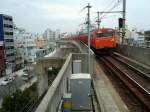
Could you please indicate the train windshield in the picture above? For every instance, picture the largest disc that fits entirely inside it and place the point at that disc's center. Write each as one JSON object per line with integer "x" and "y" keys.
{"x": 106, "y": 34}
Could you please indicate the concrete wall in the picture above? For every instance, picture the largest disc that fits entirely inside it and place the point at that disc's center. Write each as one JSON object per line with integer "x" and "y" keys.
{"x": 84, "y": 58}
{"x": 59, "y": 86}
{"x": 54, "y": 94}
{"x": 41, "y": 69}
{"x": 141, "y": 55}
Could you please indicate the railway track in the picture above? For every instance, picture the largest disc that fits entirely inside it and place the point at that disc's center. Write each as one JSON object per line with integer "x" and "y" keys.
{"x": 137, "y": 81}
{"x": 132, "y": 64}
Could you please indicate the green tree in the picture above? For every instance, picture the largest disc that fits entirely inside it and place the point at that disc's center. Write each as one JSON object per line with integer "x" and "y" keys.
{"x": 19, "y": 100}
{"x": 7, "y": 104}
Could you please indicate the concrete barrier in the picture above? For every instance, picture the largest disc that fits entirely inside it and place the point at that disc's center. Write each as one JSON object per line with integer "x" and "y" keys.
{"x": 54, "y": 94}
{"x": 59, "y": 87}
{"x": 141, "y": 55}
{"x": 84, "y": 58}
{"x": 41, "y": 69}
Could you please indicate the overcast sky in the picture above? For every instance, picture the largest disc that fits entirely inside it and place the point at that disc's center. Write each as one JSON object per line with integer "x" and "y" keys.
{"x": 37, "y": 15}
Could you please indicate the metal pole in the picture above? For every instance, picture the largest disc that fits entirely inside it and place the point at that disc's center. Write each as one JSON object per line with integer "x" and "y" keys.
{"x": 89, "y": 35}
{"x": 124, "y": 19}
{"x": 98, "y": 21}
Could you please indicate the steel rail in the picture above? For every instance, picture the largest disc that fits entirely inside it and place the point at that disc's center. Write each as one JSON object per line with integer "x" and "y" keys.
{"x": 140, "y": 92}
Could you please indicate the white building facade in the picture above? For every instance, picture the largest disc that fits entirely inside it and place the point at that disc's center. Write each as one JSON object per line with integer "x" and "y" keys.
{"x": 25, "y": 43}
{"x": 51, "y": 34}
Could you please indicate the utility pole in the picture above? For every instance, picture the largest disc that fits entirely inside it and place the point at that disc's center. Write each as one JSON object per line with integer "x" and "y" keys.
{"x": 124, "y": 19}
{"x": 98, "y": 20}
{"x": 88, "y": 7}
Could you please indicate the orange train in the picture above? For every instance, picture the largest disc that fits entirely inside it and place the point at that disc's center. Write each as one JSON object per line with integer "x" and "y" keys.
{"x": 104, "y": 38}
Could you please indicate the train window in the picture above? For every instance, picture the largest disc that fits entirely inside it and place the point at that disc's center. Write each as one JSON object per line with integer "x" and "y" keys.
{"x": 91, "y": 36}
{"x": 107, "y": 34}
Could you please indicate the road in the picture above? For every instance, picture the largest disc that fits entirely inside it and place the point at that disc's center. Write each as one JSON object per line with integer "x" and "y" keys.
{"x": 17, "y": 83}
{"x": 11, "y": 87}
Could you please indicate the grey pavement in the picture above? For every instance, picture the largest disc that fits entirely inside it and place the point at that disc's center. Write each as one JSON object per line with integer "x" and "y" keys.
{"x": 11, "y": 87}
{"x": 17, "y": 83}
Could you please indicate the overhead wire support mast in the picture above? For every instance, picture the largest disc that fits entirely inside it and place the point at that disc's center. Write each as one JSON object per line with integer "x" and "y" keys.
{"x": 88, "y": 7}
{"x": 98, "y": 20}
{"x": 124, "y": 19}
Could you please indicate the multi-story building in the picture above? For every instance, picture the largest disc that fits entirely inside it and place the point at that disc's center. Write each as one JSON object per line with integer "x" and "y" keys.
{"x": 51, "y": 34}
{"x": 2, "y": 60}
{"x": 19, "y": 47}
{"x": 147, "y": 38}
{"x": 19, "y": 62}
{"x": 41, "y": 43}
{"x": 140, "y": 40}
{"x": 128, "y": 37}
{"x": 30, "y": 48}
{"x": 25, "y": 46}
{"x": 57, "y": 33}
{"x": 7, "y": 40}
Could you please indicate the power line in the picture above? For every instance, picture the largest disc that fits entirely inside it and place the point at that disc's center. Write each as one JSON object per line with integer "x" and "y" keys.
{"x": 109, "y": 11}
{"x": 109, "y": 5}
{"x": 114, "y": 6}
{"x": 113, "y": 1}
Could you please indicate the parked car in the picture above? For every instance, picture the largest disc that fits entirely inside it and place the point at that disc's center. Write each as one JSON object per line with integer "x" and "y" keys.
{"x": 4, "y": 82}
{"x": 25, "y": 77}
{"x": 15, "y": 75}
{"x": 11, "y": 78}
{"x": 25, "y": 70}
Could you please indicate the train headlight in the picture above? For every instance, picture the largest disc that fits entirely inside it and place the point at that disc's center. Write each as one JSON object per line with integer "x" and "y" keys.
{"x": 112, "y": 39}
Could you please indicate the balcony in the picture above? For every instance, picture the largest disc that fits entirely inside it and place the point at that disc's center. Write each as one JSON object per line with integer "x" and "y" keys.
{"x": 8, "y": 29}
{"x": 10, "y": 58}
{"x": 7, "y": 22}
{"x": 9, "y": 44}
{"x": 9, "y": 51}
{"x": 8, "y": 36}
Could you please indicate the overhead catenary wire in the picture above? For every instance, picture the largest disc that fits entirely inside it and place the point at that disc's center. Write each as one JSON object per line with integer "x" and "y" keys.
{"x": 109, "y": 4}
{"x": 113, "y": 7}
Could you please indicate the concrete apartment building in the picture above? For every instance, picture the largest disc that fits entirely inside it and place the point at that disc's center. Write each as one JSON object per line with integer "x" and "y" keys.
{"x": 19, "y": 47}
{"x": 2, "y": 61}
{"x": 30, "y": 47}
{"x": 25, "y": 47}
{"x": 51, "y": 34}
{"x": 41, "y": 43}
{"x": 7, "y": 41}
{"x": 147, "y": 38}
{"x": 132, "y": 38}
{"x": 140, "y": 40}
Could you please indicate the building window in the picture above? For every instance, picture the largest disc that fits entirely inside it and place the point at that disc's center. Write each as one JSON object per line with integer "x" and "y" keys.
{"x": 9, "y": 40}
{"x": 7, "y": 18}
{"x": 8, "y": 26}
{"x": 8, "y": 33}
{"x": 10, "y": 47}
{"x": 11, "y": 54}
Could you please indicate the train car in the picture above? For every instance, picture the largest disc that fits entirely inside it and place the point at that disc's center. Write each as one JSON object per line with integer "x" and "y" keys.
{"x": 100, "y": 39}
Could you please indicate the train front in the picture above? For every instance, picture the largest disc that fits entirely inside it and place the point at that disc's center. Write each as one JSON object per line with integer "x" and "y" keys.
{"x": 105, "y": 39}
